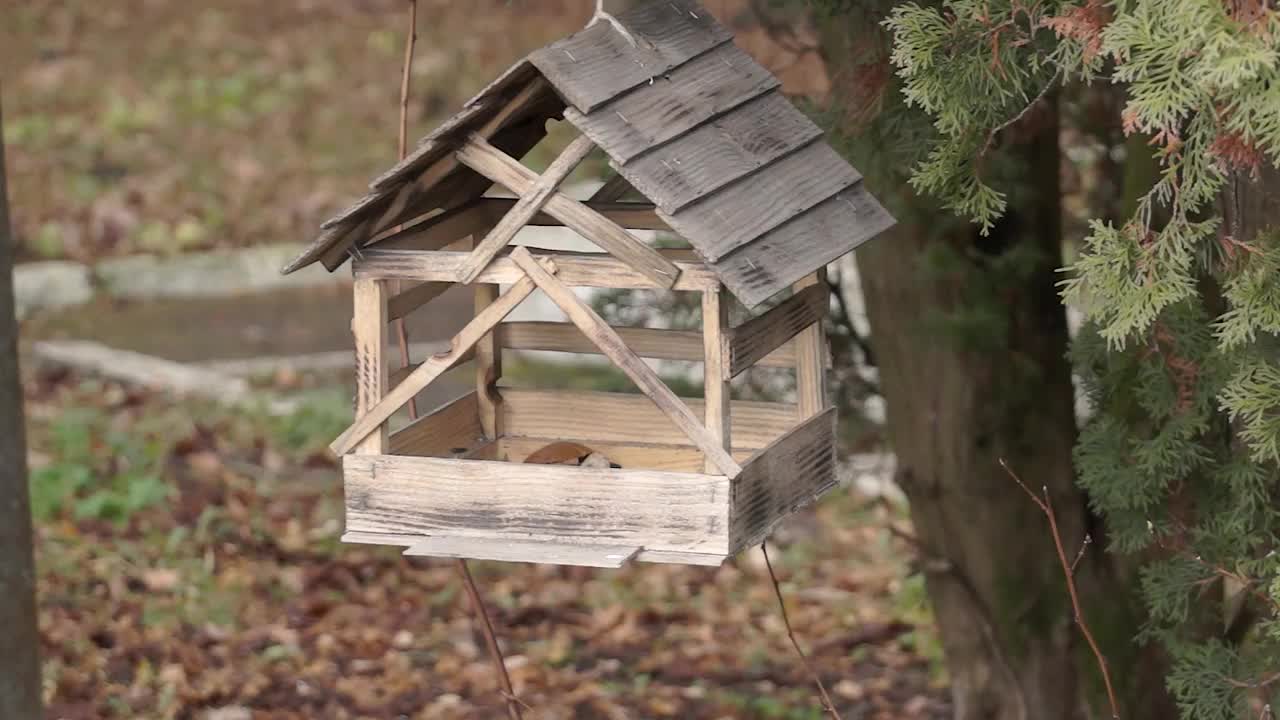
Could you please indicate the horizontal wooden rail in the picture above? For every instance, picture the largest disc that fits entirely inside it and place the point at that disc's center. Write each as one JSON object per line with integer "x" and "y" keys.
{"x": 755, "y": 339}
{"x": 586, "y": 416}
{"x": 653, "y": 343}
{"x": 577, "y": 269}
{"x": 449, "y": 429}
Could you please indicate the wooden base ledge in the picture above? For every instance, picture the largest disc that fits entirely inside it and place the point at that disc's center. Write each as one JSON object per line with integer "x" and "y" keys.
{"x": 652, "y": 556}
{"x": 502, "y": 549}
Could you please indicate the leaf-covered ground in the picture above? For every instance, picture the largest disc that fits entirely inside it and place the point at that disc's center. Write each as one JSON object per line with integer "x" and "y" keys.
{"x": 189, "y": 568}
{"x": 188, "y": 557}
{"x": 161, "y": 127}
{"x": 154, "y": 126}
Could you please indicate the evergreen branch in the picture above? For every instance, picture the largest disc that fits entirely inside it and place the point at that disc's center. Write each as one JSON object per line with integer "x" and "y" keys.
{"x": 1046, "y": 506}
{"x": 991, "y": 134}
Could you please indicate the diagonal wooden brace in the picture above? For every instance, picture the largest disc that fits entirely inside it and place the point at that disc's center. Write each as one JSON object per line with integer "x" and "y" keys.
{"x": 611, "y": 344}
{"x": 525, "y": 209}
{"x": 496, "y": 165}
{"x": 436, "y": 365}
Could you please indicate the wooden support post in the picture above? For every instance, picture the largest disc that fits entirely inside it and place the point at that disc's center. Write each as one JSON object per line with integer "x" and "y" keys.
{"x": 434, "y": 366}
{"x": 715, "y": 324}
{"x": 811, "y": 366}
{"x": 369, "y": 330}
{"x": 488, "y": 357}
{"x": 609, "y": 342}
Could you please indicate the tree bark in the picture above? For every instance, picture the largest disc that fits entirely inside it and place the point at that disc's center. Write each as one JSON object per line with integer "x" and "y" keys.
{"x": 953, "y": 411}
{"x": 971, "y": 339}
{"x": 19, "y": 664}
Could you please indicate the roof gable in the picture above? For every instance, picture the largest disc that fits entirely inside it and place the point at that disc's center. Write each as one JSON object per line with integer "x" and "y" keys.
{"x": 691, "y": 121}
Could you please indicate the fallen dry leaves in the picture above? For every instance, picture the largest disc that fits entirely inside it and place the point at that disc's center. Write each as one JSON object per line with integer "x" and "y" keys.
{"x": 232, "y": 600}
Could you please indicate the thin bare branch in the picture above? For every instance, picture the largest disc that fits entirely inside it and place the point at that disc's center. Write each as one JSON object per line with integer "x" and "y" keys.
{"x": 1253, "y": 684}
{"x": 402, "y": 335}
{"x": 491, "y": 640}
{"x": 827, "y": 704}
{"x": 1088, "y": 539}
{"x": 991, "y": 136}
{"x": 1045, "y": 504}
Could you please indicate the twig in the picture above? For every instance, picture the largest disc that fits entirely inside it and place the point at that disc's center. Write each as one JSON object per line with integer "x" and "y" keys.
{"x": 829, "y": 706}
{"x": 402, "y": 335}
{"x": 1253, "y": 684}
{"x": 491, "y": 640}
{"x": 1046, "y": 506}
{"x": 1084, "y": 545}
{"x": 991, "y": 136}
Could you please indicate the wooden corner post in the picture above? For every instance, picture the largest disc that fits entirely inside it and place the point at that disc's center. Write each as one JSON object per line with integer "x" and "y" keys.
{"x": 811, "y": 365}
{"x": 715, "y": 349}
{"x": 369, "y": 331}
{"x": 488, "y": 356}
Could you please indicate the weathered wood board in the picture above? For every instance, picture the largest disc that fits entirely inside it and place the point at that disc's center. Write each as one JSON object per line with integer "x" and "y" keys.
{"x": 529, "y": 204}
{"x": 601, "y": 416}
{"x": 743, "y": 211}
{"x": 491, "y": 162}
{"x": 654, "y": 343}
{"x": 783, "y": 477}
{"x": 663, "y": 511}
{"x": 796, "y": 248}
{"x": 701, "y": 89}
{"x": 753, "y": 340}
{"x": 723, "y": 150}
{"x": 449, "y": 430}
{"x": 633, "y": 366}
{"x": 578, "y": 269}
{"x": 514, "y": 550}
{"x": 598, "y": 63}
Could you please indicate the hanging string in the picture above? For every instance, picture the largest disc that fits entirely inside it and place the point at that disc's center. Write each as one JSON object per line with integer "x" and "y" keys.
{"x": 402, "y": 335}
{"x": 602, "y": 14}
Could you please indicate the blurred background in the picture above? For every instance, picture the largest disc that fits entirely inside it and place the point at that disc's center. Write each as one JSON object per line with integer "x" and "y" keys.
{"x": 165, "y": 159}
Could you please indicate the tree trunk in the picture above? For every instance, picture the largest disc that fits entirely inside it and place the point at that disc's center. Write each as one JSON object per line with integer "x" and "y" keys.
{"x": 954, "y": 410}
{"x": 19, "y": 665}
{"x": 971, "y": 339}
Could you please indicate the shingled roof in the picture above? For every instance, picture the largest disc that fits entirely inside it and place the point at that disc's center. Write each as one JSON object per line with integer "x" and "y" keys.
{"x": 691, "y": 121}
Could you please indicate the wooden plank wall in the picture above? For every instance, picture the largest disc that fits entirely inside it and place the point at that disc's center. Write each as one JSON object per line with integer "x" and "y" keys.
{"x": 620, "y": 417}
{"x": 783, "y": 477}
{"x": 662, "y": 511}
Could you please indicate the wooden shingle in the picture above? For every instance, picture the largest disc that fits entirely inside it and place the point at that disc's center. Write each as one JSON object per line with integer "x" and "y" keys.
{"x": 597, "y": 64}
{"x": 796, "y": 248}
{"x": 721, "y": 151}
{"x": 687, "y": 119}
{"x": 674, "y": 103}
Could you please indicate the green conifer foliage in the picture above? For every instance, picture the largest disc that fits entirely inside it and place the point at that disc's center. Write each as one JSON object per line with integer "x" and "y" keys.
{"x": 1180, "y": 355}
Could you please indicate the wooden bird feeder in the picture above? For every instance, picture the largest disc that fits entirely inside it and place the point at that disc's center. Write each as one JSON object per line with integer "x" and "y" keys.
{"x": 725, "y": 162}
